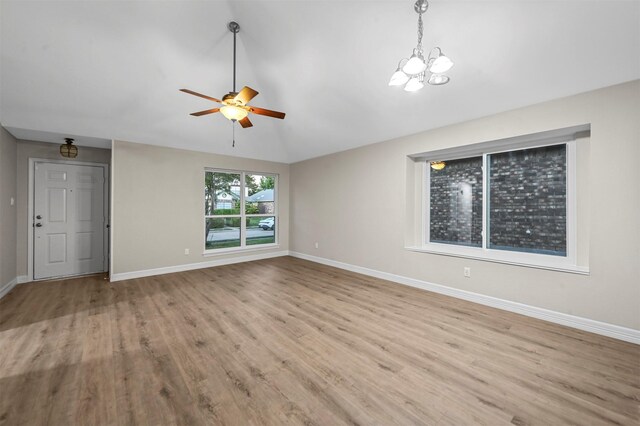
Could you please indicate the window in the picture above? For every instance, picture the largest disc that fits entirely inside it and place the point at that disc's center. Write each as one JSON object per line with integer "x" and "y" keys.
{"x": 456, "y": 203}
{"x": 240, "y": 209}
{"x": 511, "y": 201}
{"x": 527, "y": 205}
{"x": 522, "y": 193}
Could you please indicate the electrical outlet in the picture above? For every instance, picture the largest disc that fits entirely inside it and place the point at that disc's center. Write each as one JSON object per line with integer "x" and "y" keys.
{"x": 467, "y": 272}
{"x": 317, "y": 244}
{"x": 186, "y": 251}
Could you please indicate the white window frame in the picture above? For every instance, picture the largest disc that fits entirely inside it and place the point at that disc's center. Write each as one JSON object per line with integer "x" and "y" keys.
{"x": 242, "y": 216}
{"x": 566, "y": 263}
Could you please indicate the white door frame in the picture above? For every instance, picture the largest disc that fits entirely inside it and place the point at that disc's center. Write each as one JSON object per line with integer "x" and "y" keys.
{"x": 30, "y": 219}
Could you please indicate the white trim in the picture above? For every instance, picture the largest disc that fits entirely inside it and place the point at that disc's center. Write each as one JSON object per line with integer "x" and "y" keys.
{"x": 572, "y": 202}
{"x": 191, "y": 266}
{"x": 245, "y": 249}
{"x": 484, "y": 233}
{"x": 8, "y": 287}
{"x": 112, "y": 181}
{"x": 23, "y": 279}
{"x": 529, "y": 260}
{"x": 30, "y": 202}
{"x": 243, "y": 212}
{"x": 533, "y": 140}
{"x": 425, "y": 216}
{"x": 585, "y": 324}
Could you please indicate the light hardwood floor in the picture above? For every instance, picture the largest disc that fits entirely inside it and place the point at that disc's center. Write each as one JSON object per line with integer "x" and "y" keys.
{"x": 286, "y": 341}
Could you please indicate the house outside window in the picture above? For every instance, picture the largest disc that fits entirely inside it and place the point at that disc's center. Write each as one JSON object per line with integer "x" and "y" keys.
{"x": 240, "y": 210}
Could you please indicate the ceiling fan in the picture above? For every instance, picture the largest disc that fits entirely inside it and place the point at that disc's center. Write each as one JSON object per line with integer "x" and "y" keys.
{"x": 234, "y": 104}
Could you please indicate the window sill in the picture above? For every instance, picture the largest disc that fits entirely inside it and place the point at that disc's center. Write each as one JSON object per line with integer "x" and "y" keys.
{"x": 231, "y": 250}
{"x": 550, "y": 263}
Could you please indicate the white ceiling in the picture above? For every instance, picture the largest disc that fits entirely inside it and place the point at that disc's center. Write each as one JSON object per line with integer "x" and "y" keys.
{"x": 112, "y": 69}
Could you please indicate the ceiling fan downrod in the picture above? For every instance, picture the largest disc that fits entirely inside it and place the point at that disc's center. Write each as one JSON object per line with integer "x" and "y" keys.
{"x": 234, "y": 27}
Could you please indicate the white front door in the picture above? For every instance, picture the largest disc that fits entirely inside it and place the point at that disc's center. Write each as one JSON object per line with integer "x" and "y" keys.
{"x": 69, "y": 220}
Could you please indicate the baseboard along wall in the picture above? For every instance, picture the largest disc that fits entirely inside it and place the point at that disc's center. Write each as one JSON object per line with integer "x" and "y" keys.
{"x": 5, "y": 289}
{"x": 191, "y": 266}
{"x": 580, "y": 323}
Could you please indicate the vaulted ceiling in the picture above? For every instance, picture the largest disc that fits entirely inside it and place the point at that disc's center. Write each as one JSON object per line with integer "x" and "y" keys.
{"x": 112, "y": 69}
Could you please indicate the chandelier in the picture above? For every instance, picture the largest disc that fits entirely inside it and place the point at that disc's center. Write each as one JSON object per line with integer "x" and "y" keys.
{"x": 414, "y": 71}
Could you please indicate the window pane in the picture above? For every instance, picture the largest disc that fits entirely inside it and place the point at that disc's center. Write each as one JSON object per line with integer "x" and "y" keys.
{"x": 261, "y": 230}
{"x": 260, "y": 194}
{"x": 456, "y": 203}
{"x": 527, "y": 200}
{"x": 222, "y": 232}
{"x": 221, "y": 193}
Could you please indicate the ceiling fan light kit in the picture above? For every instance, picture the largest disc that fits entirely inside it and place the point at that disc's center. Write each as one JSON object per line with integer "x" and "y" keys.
{"x": 235, "y": 104}
{"x": 412, "y": 72}
{"x": 233, "y": 112}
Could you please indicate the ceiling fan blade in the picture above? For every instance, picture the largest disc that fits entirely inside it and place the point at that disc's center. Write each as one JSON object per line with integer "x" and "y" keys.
{"x": 267, "y": 112}
{"x": 191, "y": 92}
{"x": 246, "y": 94}
{"x": 205, "y": 112}
{"x": 245, "y": 122}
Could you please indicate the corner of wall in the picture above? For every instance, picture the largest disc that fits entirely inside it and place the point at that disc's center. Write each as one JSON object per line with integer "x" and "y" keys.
{"x": 8, "y": 214}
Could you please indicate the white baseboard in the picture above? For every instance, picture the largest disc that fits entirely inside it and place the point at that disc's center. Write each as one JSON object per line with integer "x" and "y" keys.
{"x": 191, "y": 266}
{"x": 8, "y": 287}
{"x": 23, "y": 279}
{"x": 585, "y": 324}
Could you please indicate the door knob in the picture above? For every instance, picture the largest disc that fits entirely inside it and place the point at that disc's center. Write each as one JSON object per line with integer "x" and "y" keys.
{"x": 38, "y": 217}
{"x": 38, "y": 224}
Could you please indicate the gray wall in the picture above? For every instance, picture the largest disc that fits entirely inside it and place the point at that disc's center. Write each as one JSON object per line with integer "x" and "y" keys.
{"x": 158, "y": 205}
{"x": 8, "y": 155}
{"x": 49, "y": 151}
{"x": 335, "y": 201}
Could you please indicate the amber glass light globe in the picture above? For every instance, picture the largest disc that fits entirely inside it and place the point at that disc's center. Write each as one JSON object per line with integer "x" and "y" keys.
{"x": 233, "y": 112}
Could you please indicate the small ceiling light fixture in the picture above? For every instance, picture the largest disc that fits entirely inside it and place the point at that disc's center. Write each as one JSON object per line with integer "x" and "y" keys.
{"x": 412, "y": 72}
{"x": 68, "y": 150}
{"x": 438, "y": 165}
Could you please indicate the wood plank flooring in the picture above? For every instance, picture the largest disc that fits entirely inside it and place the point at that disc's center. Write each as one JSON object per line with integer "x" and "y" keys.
{"x": 286, "y": 341}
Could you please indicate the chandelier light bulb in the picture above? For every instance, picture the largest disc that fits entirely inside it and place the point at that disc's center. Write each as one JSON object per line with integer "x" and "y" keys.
{"x": 438, "y": 79}
{"x": 415, "y": 64}
{"x": 398, "y": 78}
{"x": 441, "y": 64}
{"x": 414, "y": 84}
